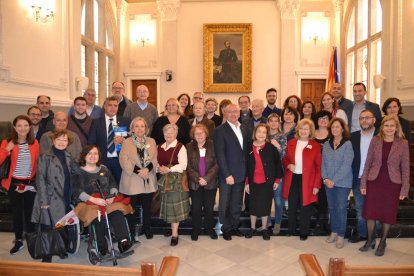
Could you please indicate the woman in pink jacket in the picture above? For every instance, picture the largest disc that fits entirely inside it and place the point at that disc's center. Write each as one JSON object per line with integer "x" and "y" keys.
{"x": 385, "y": 180}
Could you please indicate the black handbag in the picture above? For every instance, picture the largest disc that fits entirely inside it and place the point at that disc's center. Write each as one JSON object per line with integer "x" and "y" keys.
{"x": 45, "y": 243}
{"x": 5, "y": 167}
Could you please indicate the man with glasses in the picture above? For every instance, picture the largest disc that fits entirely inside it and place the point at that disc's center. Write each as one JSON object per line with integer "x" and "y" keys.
{"x": 361, "y": 140}
{"x": 94, "y": 111}
{"x": 359, "y": 104}
{"x": 35, "y": 116}
{"x": 118, "y": 90}
{"x": 245, "y": 111}
{"x": 197, "y": 97}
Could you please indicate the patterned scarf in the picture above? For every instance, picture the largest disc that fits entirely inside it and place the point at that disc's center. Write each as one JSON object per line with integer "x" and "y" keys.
{"x": 142, "y": 150}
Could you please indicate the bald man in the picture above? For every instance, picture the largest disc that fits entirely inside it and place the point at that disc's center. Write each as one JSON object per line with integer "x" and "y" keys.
{"x": 60, "y": 121}
{"x": 257, "y": 118}
{"x": 142, "y": 108}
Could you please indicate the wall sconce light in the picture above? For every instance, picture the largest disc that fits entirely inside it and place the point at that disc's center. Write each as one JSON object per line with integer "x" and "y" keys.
{"x": 42, "y": 14}
{"x": 315, "y": 27}
{"x": 143, "y": 30}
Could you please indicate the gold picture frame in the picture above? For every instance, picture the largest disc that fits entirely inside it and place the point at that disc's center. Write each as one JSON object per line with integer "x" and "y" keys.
{"x": 227, "y": 57}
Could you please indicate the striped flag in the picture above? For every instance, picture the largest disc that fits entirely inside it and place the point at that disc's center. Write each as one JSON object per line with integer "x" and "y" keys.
{"x": 333, "y": 72}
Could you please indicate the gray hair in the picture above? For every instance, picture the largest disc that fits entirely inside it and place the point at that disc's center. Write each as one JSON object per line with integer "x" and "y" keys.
{"x": 170, "y": 126}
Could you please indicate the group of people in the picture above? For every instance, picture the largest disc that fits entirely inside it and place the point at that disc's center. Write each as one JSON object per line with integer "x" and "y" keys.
{"x": 92, "y": 156}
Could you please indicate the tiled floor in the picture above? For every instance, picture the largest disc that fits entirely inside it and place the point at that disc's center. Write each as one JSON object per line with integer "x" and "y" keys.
{"x": 241, "y": 256}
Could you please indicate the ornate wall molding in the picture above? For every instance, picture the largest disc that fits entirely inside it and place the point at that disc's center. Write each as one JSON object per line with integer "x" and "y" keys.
{"x": 288, "y": 8}
{"x": 338, "y": 5}
{"x": 168, "y": 9}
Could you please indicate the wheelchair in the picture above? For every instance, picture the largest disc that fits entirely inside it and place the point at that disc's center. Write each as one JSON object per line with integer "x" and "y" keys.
{"x": 94, "y": 255}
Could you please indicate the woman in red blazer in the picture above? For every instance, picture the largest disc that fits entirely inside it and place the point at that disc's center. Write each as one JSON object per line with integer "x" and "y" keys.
{"x": 24, "y": 151}
{"x": 385, "y": 180}
{"x": 302, "y": 165}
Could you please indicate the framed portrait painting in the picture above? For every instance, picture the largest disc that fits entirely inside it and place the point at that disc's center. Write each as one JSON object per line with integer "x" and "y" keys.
{"x": 227, "y": 57}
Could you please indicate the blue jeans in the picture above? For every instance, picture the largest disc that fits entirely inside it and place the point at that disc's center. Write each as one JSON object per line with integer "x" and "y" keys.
{"x": 277, "y": 196}
{"x": 359, "y": 205}
{"x": 337, "y": 202}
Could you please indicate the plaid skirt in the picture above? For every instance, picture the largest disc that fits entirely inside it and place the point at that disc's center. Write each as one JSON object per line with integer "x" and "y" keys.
{"x": 175, "y": 206}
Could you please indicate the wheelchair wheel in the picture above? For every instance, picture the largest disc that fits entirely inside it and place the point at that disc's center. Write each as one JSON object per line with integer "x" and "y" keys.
{"x": 93, "y": 257}
{"x": 73, "y": 238}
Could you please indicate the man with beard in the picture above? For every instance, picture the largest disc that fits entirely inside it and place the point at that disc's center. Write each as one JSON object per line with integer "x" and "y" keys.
{"x": 80, "y": 122}
{"x": 92, "y": 110}
{"x": 271, "y": 97}
{"x": 361, "y": 140}
{"x": 35, "y": 116}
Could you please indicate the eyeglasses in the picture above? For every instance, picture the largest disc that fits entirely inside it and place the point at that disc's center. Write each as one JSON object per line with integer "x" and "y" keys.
{"x": 197, "y": 98}
{"x": 35, "y": 114}
{"x": 117, "y": 87}
{"x": 365, "y": 118}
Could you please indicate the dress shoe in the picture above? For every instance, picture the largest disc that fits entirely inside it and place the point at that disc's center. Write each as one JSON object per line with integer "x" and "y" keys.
{"x": 303, "y": 237}
{"x": 380, "y": 249}
{"x": 174, "y": 241}
{"x": 213, "y": 235}
{"x": 357, "y": 238}
{"x": 194, "y": 236}
{"x": 236, "y": 232}
{"x": 368, "y": 244}
{"x": 227, "y": 236}
{"x": 265, "y": 235}
{"x": 148, "y": 234}
{"x": 47, "y": 259}
{"x": 64, "y": 256}
{"x": 250, "y": 233}
{"x": 168, "y": 233}
{"x": 125, "y": 245}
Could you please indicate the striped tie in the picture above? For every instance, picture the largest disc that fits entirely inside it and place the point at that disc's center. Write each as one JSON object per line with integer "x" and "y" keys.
{"x": 111, "y": 136}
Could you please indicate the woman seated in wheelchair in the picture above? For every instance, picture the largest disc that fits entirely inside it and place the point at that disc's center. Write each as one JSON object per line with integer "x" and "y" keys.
{"x": 96, "y": 189}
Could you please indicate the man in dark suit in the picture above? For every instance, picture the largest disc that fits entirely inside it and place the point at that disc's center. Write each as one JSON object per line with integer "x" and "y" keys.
{"x": 230, "y": 147}
{"x": 118, "y": 90}
{"x": 359, "y": 104}
{"x": 361, "y": 140}
{"x": 245, "y": 111}
{"x": 104, "y": 133}
{"x": 343, "y": 102}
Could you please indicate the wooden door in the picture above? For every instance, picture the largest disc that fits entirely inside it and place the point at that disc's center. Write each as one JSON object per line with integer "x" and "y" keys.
{"x": 312, "y": 89}
{"x": 152, "y": 88}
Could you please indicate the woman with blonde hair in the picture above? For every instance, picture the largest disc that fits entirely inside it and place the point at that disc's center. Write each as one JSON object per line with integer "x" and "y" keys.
{"x": 138, "y": 160}
{"x": 302, "y": 165}
{"x": 172, "y": 115}
{"x": 385, "y": 180}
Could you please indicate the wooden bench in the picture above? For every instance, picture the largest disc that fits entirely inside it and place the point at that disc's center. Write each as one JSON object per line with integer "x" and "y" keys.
{"x": 168, "y": 267}
{"x": 337, "y": 267}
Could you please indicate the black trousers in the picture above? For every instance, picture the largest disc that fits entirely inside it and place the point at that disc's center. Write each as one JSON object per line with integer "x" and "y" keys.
{"x": 117, "y": 220}
{"x": 202, "y": 200}
{"x": 230, "y": 204}
{"x": 295, "y": 201}
{"x": 22, "y": 204}
{"x": 145, "y": 200}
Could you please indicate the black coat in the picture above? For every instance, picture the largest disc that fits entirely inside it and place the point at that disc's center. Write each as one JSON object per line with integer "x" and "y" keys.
{"x": 271, "y": 163}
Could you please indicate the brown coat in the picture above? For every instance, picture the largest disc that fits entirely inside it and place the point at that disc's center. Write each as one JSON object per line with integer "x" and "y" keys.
{"x": 131, "y": 183}
{"x": 87, "y": 213}
{"x": 212, "y": 168}
{"x": 398, "y": 163}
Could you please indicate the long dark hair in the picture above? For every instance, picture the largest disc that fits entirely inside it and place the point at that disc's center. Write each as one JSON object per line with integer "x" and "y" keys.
{"x": 14, "y": 137}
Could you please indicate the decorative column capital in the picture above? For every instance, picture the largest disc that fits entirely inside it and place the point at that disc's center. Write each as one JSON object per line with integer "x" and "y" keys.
{"x": 288, "y": 8}
{"x": 122, "y": 6}
{"x": 168, "y": 9}
{"x": 338, "y": 5}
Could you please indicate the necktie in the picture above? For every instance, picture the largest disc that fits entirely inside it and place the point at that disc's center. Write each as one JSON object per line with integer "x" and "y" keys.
{"x": 111, "y": 136}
